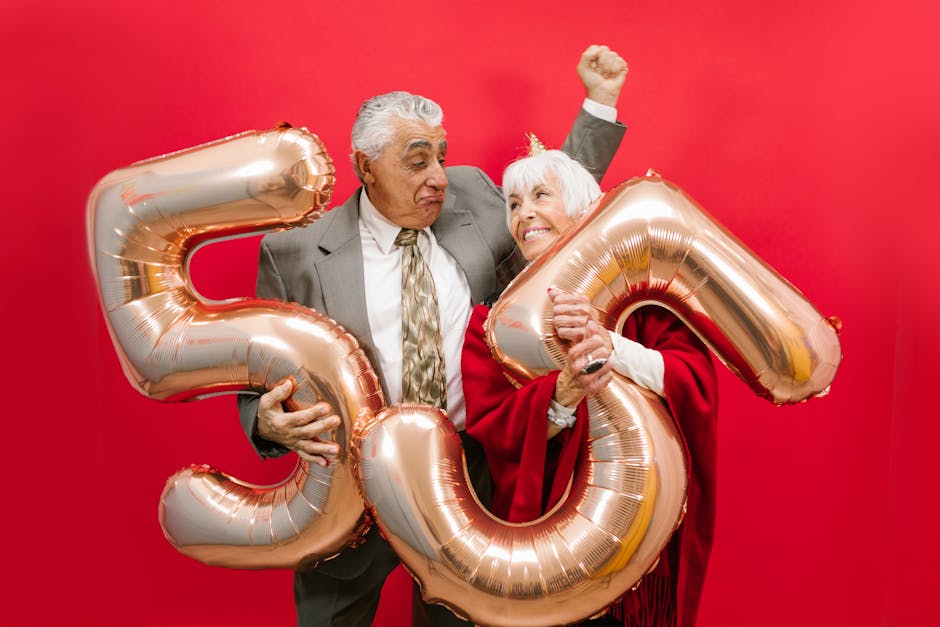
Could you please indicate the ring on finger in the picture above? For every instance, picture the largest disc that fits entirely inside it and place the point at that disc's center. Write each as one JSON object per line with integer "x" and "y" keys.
{"x": 593, "y": 365}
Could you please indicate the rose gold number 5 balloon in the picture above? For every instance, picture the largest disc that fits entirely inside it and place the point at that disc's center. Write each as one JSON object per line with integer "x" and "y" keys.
{"x": 647, "y": 242}
{"x": 144, "y": 223}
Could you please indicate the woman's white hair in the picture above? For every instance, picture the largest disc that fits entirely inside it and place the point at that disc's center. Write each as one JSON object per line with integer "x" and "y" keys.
{"x": 577, "y": 187}
{"x": 375, "y": 123}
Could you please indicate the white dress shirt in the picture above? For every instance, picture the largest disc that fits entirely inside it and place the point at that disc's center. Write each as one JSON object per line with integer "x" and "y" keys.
{"x": 382, "y": 274}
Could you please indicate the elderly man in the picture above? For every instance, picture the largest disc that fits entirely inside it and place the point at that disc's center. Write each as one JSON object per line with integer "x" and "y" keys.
{"x": 442, "y": 230}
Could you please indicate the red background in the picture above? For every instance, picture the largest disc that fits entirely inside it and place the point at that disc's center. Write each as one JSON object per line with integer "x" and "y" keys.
{"x": 808, "y": 128}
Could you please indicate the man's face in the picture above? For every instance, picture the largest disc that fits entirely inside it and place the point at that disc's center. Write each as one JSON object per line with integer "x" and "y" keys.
{"x": 407, "y": 183}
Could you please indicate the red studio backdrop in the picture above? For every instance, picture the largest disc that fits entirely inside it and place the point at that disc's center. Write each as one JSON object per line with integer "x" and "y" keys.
{"x": 809, "y": 129}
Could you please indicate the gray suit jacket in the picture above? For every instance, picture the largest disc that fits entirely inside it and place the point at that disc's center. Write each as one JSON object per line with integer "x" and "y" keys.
{"x": 321, "y": 266}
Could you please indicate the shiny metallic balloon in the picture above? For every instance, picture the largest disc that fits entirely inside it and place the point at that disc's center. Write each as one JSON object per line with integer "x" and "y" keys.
{"x": 648, "y": 242}
{"x": 621, "y": 508}
{"x": 144, "y": 223}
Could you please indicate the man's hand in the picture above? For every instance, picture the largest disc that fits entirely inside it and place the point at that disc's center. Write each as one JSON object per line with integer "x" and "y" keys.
{"x": 602, "y": 72}
{"x": 299, "y": 431}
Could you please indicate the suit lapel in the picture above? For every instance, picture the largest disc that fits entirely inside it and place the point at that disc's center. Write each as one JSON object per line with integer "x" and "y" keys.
{"x": 457, "y": 233}
{"x": 341, "y": 277}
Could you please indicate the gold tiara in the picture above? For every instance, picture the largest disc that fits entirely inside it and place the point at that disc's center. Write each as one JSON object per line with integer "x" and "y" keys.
{"x": 535, "y": 146}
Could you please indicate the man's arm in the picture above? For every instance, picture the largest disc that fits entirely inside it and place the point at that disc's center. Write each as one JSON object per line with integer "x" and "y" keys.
{"x": 271, "y": 430}
{"x": 594, "y": 141}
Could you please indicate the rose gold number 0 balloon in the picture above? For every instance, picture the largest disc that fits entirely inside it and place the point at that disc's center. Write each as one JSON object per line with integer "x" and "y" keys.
{"x": 144, "y": 222}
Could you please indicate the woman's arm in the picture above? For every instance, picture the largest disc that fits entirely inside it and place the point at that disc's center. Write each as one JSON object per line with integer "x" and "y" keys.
{"x": 572, "y": 316}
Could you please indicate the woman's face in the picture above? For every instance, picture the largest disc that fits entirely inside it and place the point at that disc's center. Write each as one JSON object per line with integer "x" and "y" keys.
{"x": 537, "y": 217}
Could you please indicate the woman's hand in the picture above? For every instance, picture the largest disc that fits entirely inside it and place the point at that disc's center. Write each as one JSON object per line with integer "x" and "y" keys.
{"x": 573, "y": 383}
{"x": 571, "y": 314}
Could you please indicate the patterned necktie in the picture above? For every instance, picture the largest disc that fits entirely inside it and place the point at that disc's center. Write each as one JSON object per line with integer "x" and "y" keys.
{"x": 423, "y": 377}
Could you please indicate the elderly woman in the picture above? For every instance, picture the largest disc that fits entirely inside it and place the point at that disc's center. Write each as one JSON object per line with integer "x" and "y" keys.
{"x": 532, "y": 436}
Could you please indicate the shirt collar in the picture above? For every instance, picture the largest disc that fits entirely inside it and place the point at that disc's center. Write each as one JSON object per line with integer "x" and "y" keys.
{"x": 383, "y": 230}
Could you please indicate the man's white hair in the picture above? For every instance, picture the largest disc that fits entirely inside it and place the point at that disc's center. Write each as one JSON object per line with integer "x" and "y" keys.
{"x": 577, "y": 187}
{"x": 375, "y": 123}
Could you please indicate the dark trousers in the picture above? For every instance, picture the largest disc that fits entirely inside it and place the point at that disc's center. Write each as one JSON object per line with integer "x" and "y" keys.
{"x": 345, "y": 591}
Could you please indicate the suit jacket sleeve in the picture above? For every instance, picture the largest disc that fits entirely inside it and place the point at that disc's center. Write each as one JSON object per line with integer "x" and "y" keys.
{"x": 269, "y": 285}
{"x": 593, "y": 142}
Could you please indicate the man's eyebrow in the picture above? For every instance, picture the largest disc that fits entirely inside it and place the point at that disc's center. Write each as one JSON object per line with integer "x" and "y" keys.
{"x": 423, "y": 144}
{"x": 418, "y": 144}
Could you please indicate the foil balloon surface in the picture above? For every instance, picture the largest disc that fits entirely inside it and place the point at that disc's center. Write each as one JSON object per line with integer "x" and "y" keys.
{"x": 624, "y": 502}
{"x": 645, "y": 243}
{"x": 144, "y": 223}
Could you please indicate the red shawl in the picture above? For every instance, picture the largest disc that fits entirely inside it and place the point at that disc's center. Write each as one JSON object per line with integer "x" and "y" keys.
{"x": 511, "y": 424}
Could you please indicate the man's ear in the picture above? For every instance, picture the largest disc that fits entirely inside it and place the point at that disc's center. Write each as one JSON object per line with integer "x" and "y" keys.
{"x": 364, "y": 164}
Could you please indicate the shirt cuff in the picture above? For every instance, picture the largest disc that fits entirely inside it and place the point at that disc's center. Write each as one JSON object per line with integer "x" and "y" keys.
{"x": 598, "y": 110}
{"x": 268, "y": 449}
{"x": 642, "y": 365}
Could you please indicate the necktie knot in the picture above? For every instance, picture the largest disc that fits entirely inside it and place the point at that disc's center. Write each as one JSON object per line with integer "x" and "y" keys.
{"x": 406, "y": 237}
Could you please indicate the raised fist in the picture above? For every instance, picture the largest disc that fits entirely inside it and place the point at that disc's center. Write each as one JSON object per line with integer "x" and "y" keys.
{"x": 602, "y": 72}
